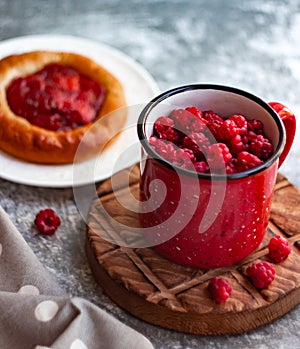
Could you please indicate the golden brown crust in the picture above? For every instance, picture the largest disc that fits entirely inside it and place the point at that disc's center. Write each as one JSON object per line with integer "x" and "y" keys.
{"x": 20, "y": 138}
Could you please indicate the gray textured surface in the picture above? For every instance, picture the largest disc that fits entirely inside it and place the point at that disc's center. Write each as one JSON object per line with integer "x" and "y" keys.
{"x": 253, "y": 45}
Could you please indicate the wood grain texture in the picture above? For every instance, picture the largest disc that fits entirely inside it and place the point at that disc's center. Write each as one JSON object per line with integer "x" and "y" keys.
{"x": 176, "y": 297}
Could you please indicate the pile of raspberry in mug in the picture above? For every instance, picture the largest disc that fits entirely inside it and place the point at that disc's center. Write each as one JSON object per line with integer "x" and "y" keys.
{"x": 204, "y": 142}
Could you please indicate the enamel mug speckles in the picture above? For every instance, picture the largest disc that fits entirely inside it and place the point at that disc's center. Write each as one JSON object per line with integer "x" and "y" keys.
{"x": 210, "y": 220}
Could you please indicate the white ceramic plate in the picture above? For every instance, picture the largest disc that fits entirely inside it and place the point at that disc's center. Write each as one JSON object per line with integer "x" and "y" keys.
{"x": 139, "y": 86}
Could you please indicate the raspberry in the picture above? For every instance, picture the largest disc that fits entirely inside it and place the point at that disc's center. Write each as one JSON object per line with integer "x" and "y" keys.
{"x": 164, "y": 128}
{"x": 218, "y": 155}
{"x": 205, "y": 139}
{"x": 47, "y": 221}
{"x": 197, "y": 112}
{"x": 236, "y": 145}
{"x": 261, "y": 274}
{"x": 201, "y": 167}
{"x": 155, "y": 142}
{"x": 211, "y": 117}
{"x": 219, "y": 289}
{"x": 231, "y": 168}
{"x": 261, "y": 147}
{"x": 199, "y": 124}
{"x": 197, "y": 142}
{"x": 170, "y": 152}
{"x": 186, "y": 122}
{"x": 240, "y": 122}
{"x": 185, "y": 158}
{"x": 246, "y": 161}
{"x": 279, "y": 249}
{"x": 227, "y": 130}
{"x": 166, "y": 150}
{"x": 214, "y": 121}
{"x": 249, "y": 137}
{"x": 256, "y": 126}
{"x": 162, "y": 122}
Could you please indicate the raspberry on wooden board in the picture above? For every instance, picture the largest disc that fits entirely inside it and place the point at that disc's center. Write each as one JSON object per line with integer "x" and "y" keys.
{"x": 261, "y": 274}
{"x": 279, "y": 249}
{"x": 219, "y": 289}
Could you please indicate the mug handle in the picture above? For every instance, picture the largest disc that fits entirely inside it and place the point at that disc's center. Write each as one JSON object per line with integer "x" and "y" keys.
{"x": 289, "y": 121}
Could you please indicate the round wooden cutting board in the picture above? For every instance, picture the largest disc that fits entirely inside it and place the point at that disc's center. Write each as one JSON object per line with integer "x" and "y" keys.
{"x": 176, "y": 297}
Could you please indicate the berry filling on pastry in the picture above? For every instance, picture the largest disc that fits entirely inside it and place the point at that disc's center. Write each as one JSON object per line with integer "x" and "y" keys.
{"x": 56, "y": 98}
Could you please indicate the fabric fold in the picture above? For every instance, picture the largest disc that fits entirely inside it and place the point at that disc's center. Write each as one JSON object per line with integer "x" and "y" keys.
{"x": 36, "y": 313}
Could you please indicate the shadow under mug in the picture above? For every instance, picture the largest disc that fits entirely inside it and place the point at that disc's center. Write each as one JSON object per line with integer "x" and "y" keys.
{"x": 209, "y": 220}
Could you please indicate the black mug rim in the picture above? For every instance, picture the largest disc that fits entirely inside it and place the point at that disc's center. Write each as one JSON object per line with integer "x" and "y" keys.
{"x": 208, "y": 176}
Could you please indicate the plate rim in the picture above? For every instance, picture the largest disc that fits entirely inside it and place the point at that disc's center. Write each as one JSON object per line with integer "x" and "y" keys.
{"x": 10, "y": 44}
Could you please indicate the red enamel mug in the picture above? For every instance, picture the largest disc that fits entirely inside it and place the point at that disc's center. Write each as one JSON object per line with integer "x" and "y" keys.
{"x": 209, "y": 220}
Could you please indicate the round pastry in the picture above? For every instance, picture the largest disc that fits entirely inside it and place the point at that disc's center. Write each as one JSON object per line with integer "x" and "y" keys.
{"x": 50, "y": 101}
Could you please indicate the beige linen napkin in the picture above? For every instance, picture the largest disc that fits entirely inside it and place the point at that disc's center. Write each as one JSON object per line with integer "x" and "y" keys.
{"x": 36, "y": 314}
